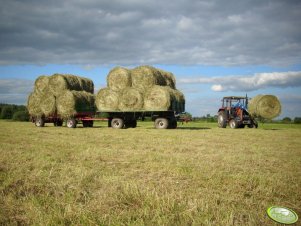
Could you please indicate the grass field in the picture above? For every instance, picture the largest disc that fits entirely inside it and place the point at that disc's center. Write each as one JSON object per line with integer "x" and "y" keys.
{"x": 197, "y": 174}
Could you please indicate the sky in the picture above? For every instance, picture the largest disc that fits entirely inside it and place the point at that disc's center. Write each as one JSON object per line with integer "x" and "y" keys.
{"x": 214, "y": 48}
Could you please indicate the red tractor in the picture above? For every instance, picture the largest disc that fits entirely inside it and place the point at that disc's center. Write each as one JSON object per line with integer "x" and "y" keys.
{"x": 234, "y": 111}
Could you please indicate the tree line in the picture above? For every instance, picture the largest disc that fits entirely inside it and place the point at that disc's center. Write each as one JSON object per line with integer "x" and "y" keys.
{"x": 14, "y": 112}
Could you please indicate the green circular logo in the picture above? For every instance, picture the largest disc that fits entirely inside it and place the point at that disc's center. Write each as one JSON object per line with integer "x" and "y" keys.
{"x": 282, "y": 215}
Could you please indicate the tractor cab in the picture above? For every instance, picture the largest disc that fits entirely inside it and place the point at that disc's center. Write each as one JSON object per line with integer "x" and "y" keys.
{"x": 234, "y": 112}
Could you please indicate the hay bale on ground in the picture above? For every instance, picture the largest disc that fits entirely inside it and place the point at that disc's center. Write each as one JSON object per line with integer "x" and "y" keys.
{"x": 71, "y": 102}
{"x": 41, "y": 84}
{"x": 144, "y": 77}
{"x": 264, "y": 106}
{"x": 119, "y": 78}
{"x": 33, "y": 104}
{"x": 59, "y": 82}
{"x": 107, "y": 100}
{"x": 131, "y": 99}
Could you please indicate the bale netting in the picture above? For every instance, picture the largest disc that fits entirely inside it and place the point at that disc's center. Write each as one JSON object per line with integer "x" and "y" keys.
{"x": 59, "y": 82}
{"x": 33, "y": 104}
{"x": 41, "y": 84}
{"x": 107, "y": 100}
{"x": 144, "y": 77}
{"x": 119, "y": 78}
{"x": 265, "y": 106}
{"x": 71, "y": 102}
{"x": 131, "y": 99}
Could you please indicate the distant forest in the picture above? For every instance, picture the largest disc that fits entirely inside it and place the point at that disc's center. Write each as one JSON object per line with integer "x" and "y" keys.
{"x": 14, "y": 112}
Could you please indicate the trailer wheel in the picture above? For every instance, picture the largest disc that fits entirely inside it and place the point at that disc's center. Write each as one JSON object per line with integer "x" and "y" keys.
{"x": 117, "y": 123}
{"x": 173, "y": 124}
{"x": 40, "y": 122}
{"x": 233, "y": 124}
{"x": 59, "y": 123}
{"x": 86, "y": 123}
{"x": 222, "y": 119}
{"x": 161, "y": 123}
{"x": 71, "y": 123}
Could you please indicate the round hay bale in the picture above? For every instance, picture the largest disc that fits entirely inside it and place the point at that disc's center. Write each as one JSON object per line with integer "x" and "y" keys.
{"x": 41, "y": 84}
{"x": 144, "y": 77}
{"x": 33, "y": 104}
{"x": 107, "y": 100}
{"x": 169, "y": 78}
{"x": 158, "y": 98}
{"x": 48, "y": 104}
{"x": 178, "y": 100}
{"x": 265, "y": 106}
{"x": 119, "y": 78}
{"x": 59, "y": 82}
{"x": 131, "y": 99}
{"x": 71, "y": 102}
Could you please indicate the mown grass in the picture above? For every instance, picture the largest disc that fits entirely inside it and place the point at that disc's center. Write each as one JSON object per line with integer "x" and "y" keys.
{"x": 197, "y": 174}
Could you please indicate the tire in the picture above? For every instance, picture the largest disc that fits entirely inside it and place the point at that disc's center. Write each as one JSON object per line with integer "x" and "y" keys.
{"x": 71, "y": 123}
{"x": 59, "y": 123}
{"x": 40, "y": 122}
{"x": 222, "y": 119}
{"x": 117, "y": 123}
{"x": 173, "y": 124}
{"x": 233, "y": 124}
{"x": 86, "y": 123}
{"x": 161, "y": 123}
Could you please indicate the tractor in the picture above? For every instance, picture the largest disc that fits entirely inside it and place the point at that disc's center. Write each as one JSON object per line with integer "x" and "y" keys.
{"x": 234, "y": 112}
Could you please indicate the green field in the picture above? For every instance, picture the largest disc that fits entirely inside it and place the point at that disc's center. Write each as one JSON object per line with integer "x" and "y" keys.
{"x": 197, "y": 174}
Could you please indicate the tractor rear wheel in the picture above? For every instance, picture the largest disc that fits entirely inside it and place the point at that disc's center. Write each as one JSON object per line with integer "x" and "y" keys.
{"x": 233, "y": 124}
{"x": 222, "y": 119}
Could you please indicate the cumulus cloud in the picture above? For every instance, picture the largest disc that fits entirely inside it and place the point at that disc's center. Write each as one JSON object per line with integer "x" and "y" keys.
{"x": 150, "y": 31}
{"x": 249, "y": 83}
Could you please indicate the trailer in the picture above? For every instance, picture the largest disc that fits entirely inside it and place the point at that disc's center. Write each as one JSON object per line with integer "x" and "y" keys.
{"x": 115, "y": 119}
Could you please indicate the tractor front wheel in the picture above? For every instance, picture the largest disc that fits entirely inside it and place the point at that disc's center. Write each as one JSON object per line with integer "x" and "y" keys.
{"x": 233, "y": 124}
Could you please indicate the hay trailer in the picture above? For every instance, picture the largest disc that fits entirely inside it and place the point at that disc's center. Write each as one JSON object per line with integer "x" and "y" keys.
{"x": 235, "y": 114}
{"x": 116, "y": 119}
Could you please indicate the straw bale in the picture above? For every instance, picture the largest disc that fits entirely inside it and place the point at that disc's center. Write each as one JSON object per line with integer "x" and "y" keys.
{"x": 33, "y": 104}
{"x": 48, "y": 104}
{"x": 131, "y": 99}
{"x": 265, "y": 106}
{"x": 41, "y": 84}
{"x": 169, "y": 78}
{"x": 144, "y": 77}
{"x": 119, "y": 78}
{"x": 158, "y": 98}
{"x": 71, "y": 102}
{"x": 107, "y": 100}
{"x": 59, "y": 82}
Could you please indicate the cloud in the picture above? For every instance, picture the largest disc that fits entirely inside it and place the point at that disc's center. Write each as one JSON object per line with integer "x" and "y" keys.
{"x": 249, "y": 83}
{"x": 15, "y": 91}
{"x": 150, "y": 32}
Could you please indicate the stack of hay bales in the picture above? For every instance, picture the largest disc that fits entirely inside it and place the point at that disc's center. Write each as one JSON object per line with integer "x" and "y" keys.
{"x": 143, "y": 88}
{"x": 61, "y": 94}
{"x": 264, "y": 106}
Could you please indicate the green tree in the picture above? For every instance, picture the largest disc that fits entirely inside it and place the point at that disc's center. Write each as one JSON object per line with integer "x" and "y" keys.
{"x": 297, "y": 120}
{"x": 7, "y": 112}
{"x": 21, "y": 116}
{"x": 286, "y": 120}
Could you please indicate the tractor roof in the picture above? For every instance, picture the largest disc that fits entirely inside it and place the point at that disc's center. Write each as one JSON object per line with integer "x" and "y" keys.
{"x": 234, "y": 97}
